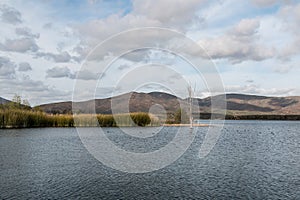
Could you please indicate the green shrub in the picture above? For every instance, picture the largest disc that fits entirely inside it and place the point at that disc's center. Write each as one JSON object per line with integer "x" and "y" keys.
{"x": 140, "y": 119}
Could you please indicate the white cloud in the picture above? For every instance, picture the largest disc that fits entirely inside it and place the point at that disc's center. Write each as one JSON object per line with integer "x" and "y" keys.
{"x": 173, "y": 13}
{"x": 95, "y": 31}
{"x": 178, "y": 14}
{"x": 146, "y": 13}
{"x": 289, "y": 18}
{"x": 283, "y": 68}
{"x": 265, "y": 47}
{"x": 289, "y": 50}
{"x": 246, "y": 27}
{"x": 257, "y": 89}
{"x": 37, "y": 92}
{"x": 238, "y": 44}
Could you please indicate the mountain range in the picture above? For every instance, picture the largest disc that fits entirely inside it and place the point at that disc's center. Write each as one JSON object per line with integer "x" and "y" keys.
{"x": 237, "y": 104}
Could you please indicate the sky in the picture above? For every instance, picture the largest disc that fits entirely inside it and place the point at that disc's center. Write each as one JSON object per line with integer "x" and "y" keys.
{"x": 50, "y": 50}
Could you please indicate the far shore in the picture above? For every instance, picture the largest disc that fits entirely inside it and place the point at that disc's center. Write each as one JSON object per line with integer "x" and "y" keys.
{"x": 186, "y": 125}
{"x": 91, "y": 126}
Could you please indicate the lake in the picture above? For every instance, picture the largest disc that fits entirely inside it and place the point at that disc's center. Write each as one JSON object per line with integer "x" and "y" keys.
{"x": 251, "y": 160}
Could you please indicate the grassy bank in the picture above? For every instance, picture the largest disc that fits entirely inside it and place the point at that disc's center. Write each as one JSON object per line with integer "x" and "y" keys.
{"x": 17, "y": 118}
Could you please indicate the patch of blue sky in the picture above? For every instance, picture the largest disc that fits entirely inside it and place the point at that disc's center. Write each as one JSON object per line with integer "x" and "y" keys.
{"x": 81, "y": 11}
{"x": 229, "y": 13}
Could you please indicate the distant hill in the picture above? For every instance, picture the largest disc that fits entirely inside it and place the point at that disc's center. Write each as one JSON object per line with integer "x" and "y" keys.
{"x": 3, "y": 101}
{"x": 237, "y": 104}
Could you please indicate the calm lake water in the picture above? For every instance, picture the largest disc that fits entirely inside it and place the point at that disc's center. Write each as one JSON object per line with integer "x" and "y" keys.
{"x": 251, "y": 160}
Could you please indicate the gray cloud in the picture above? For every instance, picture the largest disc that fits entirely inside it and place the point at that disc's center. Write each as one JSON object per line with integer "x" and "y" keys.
{"x": 24, "y": 67}
{"x": 26, "y": 32}
{"x": 10, "y": 15}
{"x": 65, "y": 72}
{"x": 48, "y": 25}
{"x": 124, "y": 66}
{"x": 85, "y": 75}
{"x": 264, "y": 2}
{"x": 136, "y": 55}
{"x": 19, "y": 45}
{"x": 7, "y": 68}
{"x": 62, "y": 57}
{"x": 59, "y": 72}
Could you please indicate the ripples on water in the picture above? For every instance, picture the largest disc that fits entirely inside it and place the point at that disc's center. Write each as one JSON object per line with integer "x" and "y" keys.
{"x": 252, "y": 159}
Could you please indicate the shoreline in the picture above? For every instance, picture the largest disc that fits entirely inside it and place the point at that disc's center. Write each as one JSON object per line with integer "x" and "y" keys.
{"x": 185, "y": 125}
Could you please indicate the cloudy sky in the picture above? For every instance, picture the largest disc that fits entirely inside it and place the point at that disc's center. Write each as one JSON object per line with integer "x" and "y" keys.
{"x": 254, "y": 44}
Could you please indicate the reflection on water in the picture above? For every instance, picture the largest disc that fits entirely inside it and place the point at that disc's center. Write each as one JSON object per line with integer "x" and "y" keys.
{"x": 252, "y": 159}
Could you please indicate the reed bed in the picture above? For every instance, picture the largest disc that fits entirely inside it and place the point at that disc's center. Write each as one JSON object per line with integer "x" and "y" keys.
{"x": 17, "y": 118}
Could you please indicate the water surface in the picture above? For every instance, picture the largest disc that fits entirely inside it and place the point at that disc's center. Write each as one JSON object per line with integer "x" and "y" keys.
{"x": 252, "y": 160}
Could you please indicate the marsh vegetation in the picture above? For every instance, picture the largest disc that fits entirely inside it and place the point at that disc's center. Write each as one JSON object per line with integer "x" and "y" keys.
{"x": 19, "y": 114}
{"x": 17, "y": 118}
